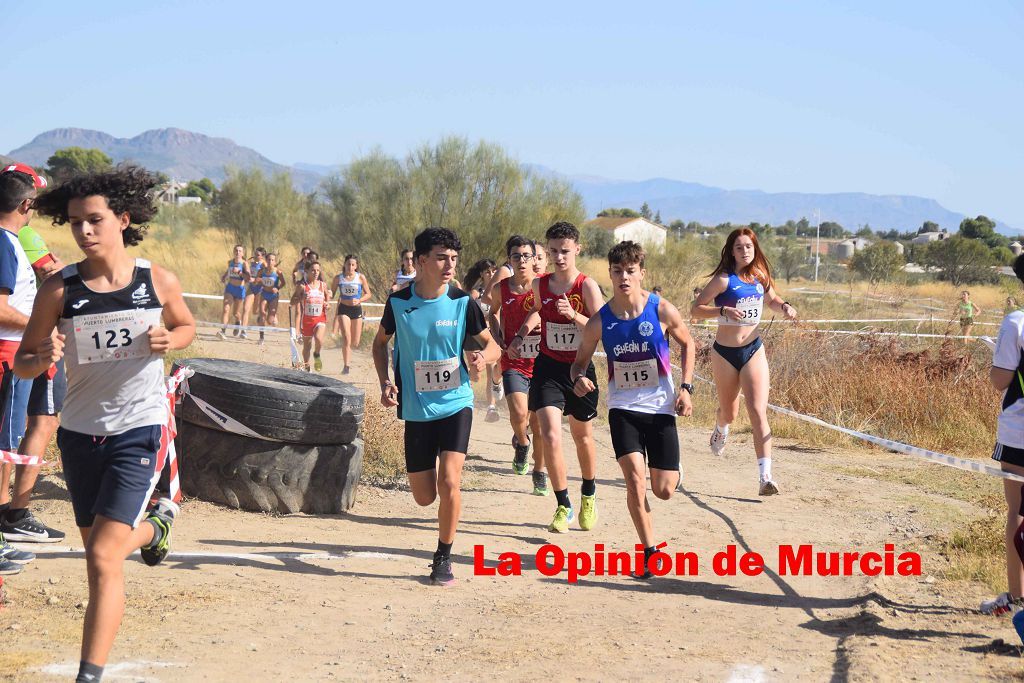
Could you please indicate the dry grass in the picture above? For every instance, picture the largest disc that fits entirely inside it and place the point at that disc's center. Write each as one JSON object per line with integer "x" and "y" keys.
{"x": 384, "y": 445}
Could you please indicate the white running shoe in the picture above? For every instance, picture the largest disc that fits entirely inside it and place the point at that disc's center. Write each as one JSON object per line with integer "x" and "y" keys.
{"x": 1001, "y": 604}
{"x": 492, "y": 414}
{"x": 221, "y": 335}
{"x": 498, "y": 391}
{"x": 768, "y": 488}
{"x": 243, "y": 335}
{"x": 718, "y": 441}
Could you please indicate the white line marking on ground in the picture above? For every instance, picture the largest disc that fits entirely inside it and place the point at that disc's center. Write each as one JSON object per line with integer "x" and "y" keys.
{"x": 361, "y": 555}
{"x": 121, "y": 671}
{"x": 746, "y": 673}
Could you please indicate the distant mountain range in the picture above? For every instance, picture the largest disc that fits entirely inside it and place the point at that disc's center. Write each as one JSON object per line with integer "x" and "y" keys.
{"x": 181, "y": 154}
{"x": 186, "y": 155}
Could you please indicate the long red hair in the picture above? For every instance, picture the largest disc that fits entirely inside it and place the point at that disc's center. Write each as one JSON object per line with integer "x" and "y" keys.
{"x": 759, "y": 268}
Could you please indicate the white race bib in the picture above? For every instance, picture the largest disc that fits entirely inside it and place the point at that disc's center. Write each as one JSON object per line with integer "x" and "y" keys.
{"x": 437, "y": 375}
{"x": 530, "y": 347}
{"x": 750, "y": 312}
{"x": 119, "y": 335}
{"x": 313, "y": 310}
{"x": 349, "y": 290}
{"x": 641, "y": 374}
{"x": 563, "y": 336}
{"x": 269, "y": 281}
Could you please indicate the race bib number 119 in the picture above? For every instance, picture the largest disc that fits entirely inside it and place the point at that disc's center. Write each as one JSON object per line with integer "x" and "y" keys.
{"x": 437, "y": 375}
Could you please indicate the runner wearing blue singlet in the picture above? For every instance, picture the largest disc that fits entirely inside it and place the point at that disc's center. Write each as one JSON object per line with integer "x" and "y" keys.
{"x": 234, "y": 279}
{"x": 431, "y": 321}
{"x": 270, "y": 293}
{"x": 252, "y": 294}
{"x": 741, "y": 285}
{"x": 642, "y": 399}
{"x": 352, "y": 289}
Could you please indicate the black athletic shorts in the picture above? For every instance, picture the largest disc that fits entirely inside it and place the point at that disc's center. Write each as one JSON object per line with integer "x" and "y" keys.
{"x": 652, "y": 435}
{"x": 1014, "y": 456}
{"x": 47, "y": 395}
{"x": 351, "y": 311}
{"x": 424, "y": 441}
{"x": 551, "y": 386}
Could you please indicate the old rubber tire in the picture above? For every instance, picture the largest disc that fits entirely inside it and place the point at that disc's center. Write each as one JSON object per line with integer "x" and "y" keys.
{"x": 265, "y": 476}
{"x": 277, "y": 403}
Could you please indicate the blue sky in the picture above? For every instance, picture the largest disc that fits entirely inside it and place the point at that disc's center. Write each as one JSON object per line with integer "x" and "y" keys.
{"x": 889, "y": 98}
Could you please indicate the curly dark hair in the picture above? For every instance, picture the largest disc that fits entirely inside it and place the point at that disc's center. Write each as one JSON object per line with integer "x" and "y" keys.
{"x": 563, "y": 230}
{"x": 626, "y": 254}
{"x": 127, "y": 189}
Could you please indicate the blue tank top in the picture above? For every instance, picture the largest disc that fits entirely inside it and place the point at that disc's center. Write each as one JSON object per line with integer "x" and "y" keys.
{"x": 350, "y": 289}
{"x": 639, "y": 364}
{"x": 254, "y": 271}
{"x": 748, "y": 297}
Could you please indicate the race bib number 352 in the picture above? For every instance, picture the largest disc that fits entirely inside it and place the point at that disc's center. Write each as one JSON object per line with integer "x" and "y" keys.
{"x": 437, "y": 375}
{"x": 119, "y": 335}
{"x": 563, "y": 336}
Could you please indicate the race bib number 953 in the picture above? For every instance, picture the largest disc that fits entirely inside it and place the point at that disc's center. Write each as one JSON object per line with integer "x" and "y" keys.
{"x": 119, "y": 335}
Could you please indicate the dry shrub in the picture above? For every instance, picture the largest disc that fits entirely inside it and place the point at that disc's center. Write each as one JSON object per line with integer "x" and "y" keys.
{"x": 383, "y": 445}
{"x": 976, "y": 549}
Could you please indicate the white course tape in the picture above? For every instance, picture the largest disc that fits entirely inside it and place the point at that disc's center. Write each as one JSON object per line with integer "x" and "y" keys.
{"x": 896, "y": 446}
{"x": 213, "y": 297}
{"x": 870, "y": 333}
{"x": 226, "y": 422}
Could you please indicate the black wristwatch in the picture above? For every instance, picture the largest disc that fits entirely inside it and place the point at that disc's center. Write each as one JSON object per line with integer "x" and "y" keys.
{"x": 688, "y": 387}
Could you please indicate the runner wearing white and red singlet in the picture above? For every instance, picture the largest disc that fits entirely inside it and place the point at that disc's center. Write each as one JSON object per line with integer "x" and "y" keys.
{"x": 311, "y": 297}
{"x": 513, "y": 302}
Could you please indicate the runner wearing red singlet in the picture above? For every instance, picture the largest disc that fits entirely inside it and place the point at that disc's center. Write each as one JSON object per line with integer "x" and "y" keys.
{"x": 513, "y": 301}
{"x": 563, "y": 303}
{"x": 311, "y": 298}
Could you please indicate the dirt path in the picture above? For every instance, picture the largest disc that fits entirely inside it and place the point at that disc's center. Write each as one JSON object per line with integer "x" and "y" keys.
{"x": 357, "y": 606}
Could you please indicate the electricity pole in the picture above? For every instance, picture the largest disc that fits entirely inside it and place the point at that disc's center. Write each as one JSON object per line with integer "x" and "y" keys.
{"x": 817, "y": 247}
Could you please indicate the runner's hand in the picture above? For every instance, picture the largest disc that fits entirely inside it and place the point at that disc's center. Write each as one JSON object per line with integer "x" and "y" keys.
{"x": 583, "y": 386}
{"x": 789, "y": 311}
{"x": 477, "y": 364}
{"x": 565, "y": 308}
{"x": 513, "y": 348}
{"x": 684, "y": 406}
{"x": 159, "y": 340}
{"x": 733, "y": 313}
{"x": 389, "y": 395}
{"x": 51, "y": 349}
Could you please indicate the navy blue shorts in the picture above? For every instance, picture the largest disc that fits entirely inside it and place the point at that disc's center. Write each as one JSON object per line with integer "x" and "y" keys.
{"x": 14, "y": 393}
{"x": 113, "y": 476}
{"x": 47, "y": 395}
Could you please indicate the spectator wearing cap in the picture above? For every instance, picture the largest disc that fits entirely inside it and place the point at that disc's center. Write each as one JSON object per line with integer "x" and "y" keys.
{"x": 18, "y": 186}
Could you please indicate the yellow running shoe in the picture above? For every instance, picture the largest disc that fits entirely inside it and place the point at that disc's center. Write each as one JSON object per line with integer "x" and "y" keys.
{"x": 560, "y": 524}
{"x": 318, "y": 363}
{"x": 588, "y": 512}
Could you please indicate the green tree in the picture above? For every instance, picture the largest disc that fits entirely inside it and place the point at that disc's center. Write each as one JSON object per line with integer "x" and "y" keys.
{"x": 72, "y": 161}
{"x": 831, "y": 229}
{"x": 879, "y": 262}
{"x": 865, "y": 232}
{"x": 928, "y": 226}
{"x": 958, "y": 259}
{"x": 1003, "y": 256}
{"x": 657, "y": 217}
{"x": 645, "y": 211}
{"x": 983, "y": 228}
{"x": 597, "y": 242}
{"x": 204, "y": 189}
{"x": 612, "y": 213}
{"x": 262, "y": 211}
{"x": 378, "y": 203}
{"x": 694, "y": 227}
{"x": 789, "y": 257}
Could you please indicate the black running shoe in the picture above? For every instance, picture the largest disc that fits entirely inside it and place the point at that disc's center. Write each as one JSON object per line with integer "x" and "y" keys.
{"x": 519, "y": 463}
{"x": 28, "y": 529}
{"x": 441, "y": 571}
{"x": 163, "y": 516}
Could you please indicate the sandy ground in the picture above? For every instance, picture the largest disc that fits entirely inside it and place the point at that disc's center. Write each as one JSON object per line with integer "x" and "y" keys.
{"x": 346, "y": 598}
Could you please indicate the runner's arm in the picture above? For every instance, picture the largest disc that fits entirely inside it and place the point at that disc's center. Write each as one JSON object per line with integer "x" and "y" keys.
{"x": 677, "y": 329}
{"x": 593, "y": 300}
{"x": 40, "y": 347}
{"x": 179, "y": 327}
{"x": 379, "y": 351}
{"x": 704, "y": 307}
{"x": 584, "y": 354}
{"x": 367, "y": 295}
{"x": 532, "y": 320}
{"x": 775, "y": 302}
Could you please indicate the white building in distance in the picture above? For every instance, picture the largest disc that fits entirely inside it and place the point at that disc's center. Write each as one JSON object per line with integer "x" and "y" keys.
{"x": 640, "y": 230}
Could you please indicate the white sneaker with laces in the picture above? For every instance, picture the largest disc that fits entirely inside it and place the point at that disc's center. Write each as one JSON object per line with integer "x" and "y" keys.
{"x": 498, "y": 391}
{"x": 1001, "y": 604}
{"x": 717, "y": 442}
